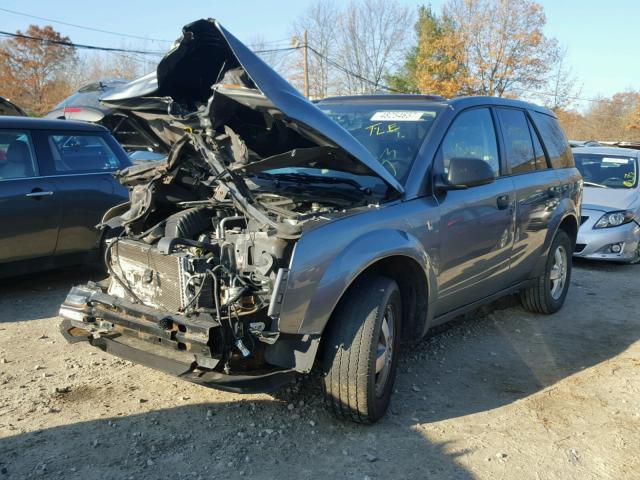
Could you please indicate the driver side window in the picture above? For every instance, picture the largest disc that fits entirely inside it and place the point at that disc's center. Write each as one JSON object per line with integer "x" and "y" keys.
{"x": 472, "y": 135}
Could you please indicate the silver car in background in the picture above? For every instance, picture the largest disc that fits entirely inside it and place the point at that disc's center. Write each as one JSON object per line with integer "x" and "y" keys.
{"x": 609, "y": 226}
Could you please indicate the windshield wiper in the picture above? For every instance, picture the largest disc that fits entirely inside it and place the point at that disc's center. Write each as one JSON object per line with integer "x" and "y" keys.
{"x": 593, "y": 184}
{"x": 306, "y": 178}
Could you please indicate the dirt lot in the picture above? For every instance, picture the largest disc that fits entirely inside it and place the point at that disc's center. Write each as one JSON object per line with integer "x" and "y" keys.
{"x": 503, "y": 394}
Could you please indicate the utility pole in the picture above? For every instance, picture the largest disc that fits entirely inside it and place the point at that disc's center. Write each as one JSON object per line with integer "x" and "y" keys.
{"x": 306, "y": 64}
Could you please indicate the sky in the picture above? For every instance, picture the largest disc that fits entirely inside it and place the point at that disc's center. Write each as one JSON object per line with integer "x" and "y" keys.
{"x": 600, "y": 37}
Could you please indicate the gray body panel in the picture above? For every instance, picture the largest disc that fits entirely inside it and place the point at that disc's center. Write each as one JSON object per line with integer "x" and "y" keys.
{"x": 467, "y": 248}
{"x": 450, "y": 246}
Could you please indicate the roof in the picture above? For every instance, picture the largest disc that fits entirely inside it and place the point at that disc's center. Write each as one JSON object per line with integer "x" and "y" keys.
{"x": 462, "y": 102}
{"x": 48, "y": 124}
{"x": 384, "y": 98}
{"x": 607, "y": 151}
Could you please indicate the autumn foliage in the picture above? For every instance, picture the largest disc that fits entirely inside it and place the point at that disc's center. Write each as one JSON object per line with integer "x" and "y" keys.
{"x": 33, "y": 73}
{"x": 608, "y": 119}
{"x": 480, "y": 47}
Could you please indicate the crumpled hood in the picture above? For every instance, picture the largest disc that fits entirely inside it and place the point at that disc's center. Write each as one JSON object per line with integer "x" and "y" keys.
{"x": 608, "y": 199}
{"x": 200, "y": 60}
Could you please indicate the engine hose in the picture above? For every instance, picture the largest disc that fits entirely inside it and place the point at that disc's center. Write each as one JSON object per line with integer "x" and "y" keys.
{"x": 112, "y": 272}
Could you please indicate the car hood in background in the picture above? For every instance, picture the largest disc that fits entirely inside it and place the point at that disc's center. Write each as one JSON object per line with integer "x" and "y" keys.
{"x": 608, "y": 199}
{"x": 205, "y": 58}
{"x": 9, "y": 108}
{"x": 84, "y": 105}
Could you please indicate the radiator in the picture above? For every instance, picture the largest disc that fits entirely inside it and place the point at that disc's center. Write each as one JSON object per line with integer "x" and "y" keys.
{"x": 157, "y": 280}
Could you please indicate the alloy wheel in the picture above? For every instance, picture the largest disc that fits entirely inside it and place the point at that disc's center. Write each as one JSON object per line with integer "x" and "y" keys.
{"x": 558, "y": 273}
{"x": 384, "y": 352}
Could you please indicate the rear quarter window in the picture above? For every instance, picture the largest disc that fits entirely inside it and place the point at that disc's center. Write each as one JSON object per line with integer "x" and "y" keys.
{"x": 74, "y": 153}
{"x": 554, "y": 140}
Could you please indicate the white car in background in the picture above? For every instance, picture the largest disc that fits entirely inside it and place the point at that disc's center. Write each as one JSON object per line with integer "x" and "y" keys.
{"x": 610, "y": 228}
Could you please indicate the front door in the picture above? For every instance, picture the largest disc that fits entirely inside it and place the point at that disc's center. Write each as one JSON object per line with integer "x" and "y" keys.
{"x": 81, "y": 165}
{"x": 476, "y": 224}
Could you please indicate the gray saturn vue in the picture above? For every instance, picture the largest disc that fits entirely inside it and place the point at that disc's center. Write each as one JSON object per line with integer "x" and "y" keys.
{"x": 609, "y": 227}
{"x": 280, "y": 234}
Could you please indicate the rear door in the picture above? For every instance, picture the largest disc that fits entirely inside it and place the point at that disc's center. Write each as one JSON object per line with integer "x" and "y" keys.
{"x": 29, "y": 205}
{"x": 476, "y": 224}
{"x": 81, "y": 166}
{"x": 536, "y": 186}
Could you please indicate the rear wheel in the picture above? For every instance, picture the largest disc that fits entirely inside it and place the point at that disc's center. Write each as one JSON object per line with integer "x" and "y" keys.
{"x": 549, "y": 290}
{"x": 361, "y": 348}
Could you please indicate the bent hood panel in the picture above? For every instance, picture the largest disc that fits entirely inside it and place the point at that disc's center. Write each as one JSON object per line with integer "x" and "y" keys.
{"x": 197, "y": 62}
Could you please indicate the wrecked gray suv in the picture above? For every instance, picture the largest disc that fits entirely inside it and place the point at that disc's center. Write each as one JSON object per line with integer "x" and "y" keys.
{"x": 280, "y": 234}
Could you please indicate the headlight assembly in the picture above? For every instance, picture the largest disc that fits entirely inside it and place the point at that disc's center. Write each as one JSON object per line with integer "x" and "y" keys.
{"x": 614, "y": 219}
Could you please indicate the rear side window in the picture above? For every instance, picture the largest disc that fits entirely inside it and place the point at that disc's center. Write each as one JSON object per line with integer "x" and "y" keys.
{"x": 80, "y": 153}
{"x": 517, "y": 140}
{"x": 472, "y": 135}
{"x": 541, "y": 159}
{"x": 16, "y": 155}
{"x": 554, "y": 139}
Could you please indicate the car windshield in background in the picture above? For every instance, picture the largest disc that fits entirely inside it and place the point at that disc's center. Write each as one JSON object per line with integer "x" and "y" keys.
{"x": 392, "y": 132}
{"x": 607, "y": 171}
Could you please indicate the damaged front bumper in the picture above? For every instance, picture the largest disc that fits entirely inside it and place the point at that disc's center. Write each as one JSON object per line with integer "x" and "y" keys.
{"x": 175, "y": 344}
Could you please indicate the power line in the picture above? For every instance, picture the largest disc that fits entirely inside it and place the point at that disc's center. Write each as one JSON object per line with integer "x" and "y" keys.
{"x": 285, "y": 41}
{"x": 569, "y": 97}
{"x": 353, "y": 74}
{"x": 83, "y": 27}
{"x": 119, "y": 50}
{"x": 80, "y": 45}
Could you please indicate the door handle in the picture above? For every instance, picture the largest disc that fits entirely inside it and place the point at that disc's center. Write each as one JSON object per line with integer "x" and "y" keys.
{"x": 37, "y": 193}
{"x": 502, "y": 201}
{"x": 554, "y": 192}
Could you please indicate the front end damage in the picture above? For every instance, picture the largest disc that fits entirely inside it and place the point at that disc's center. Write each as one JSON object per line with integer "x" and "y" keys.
{"x": 198, "y": 261}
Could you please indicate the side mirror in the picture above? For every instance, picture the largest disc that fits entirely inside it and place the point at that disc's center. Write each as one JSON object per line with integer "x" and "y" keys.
{"x": 467, "y": 172}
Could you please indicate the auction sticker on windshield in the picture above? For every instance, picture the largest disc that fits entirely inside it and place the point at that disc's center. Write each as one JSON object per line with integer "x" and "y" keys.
{"x": 400, "y": 115}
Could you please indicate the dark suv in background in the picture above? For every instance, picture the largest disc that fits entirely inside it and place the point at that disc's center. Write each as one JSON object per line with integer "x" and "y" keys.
{"x": 56, "y": 183}
{"x": 279, "y": 232}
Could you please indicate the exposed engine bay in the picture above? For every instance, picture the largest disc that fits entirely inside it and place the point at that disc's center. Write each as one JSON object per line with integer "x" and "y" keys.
{"x": 198, "y": 259}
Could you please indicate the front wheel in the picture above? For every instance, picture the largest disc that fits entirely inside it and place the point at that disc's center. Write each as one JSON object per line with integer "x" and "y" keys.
{"x": 361, "y": 349}
{"x": 549, "y": 290}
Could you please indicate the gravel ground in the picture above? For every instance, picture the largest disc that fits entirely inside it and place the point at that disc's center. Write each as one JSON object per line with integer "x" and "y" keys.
{"x": 500, "y": 394}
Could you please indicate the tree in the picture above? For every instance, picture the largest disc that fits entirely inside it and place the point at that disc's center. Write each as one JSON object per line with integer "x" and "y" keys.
{"x": 505, "y": 49}
{"x": 373, "y": 39}
{"x": 32, "y": 72}
{"x": 606, "y": 119}
{"x": 441, "y": 61}
{"x": 437, "y": 63}
{"x": 320, "y": 22}
{"x": 483, "y": 47}
{"x": 562, "y": 85}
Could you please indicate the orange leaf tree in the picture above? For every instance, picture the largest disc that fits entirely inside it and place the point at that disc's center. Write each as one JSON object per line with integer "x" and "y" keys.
{"x": 33, "y": 73}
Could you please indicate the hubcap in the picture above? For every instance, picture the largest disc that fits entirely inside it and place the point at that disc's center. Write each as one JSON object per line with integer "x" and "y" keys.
{"x": 558, "y": 274}
{"x": 384, "y": 352}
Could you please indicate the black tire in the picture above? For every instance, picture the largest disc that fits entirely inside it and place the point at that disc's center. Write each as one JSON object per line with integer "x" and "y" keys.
{"x": 354, "y": 390}
{"x": 539, "y": 297}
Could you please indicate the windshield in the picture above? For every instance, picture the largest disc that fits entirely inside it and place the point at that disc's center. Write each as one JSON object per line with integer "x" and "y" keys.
{"x": 609, "y": 171}
{"x": 392, "y": 131}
